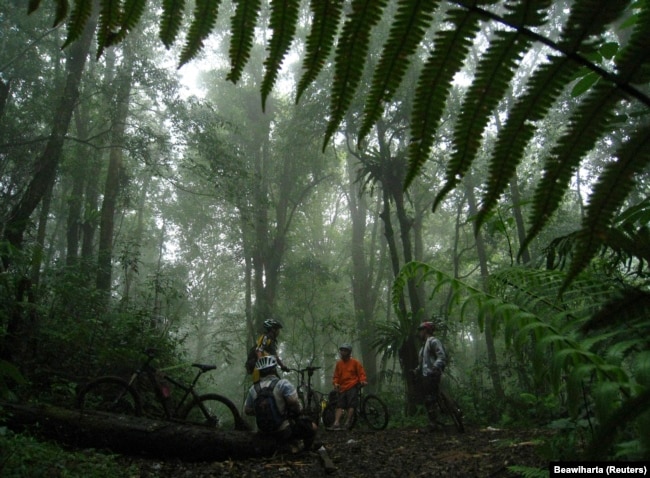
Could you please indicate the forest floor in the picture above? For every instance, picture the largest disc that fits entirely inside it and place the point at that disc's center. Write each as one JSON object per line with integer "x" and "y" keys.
{"x": 406, "y": 452}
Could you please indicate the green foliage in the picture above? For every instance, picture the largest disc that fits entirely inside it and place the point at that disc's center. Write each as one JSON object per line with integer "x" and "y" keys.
{"x": 513, "y": 30}
{"x": 603, "y": 372}
{"x": 22, "y": 455}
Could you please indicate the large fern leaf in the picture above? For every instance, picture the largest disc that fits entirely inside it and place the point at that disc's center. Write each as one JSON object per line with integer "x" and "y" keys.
{"x": 108, "y": 23}
{"x": 450, "y": 49}
{"x": 205, "y": 17}
{"x": 406, "y": 33}
{"x": 614, "y": 185}
{"x": 326, "y": 15}
{"x": 171, "y": 20}
{"x": 243, "y": 31}
{"x": 132, "y": 12}
{"x": 494, "y": 73}
{"x": 350, "y": 59}
{"x": 78, "y": 19}
{"x": 284, "y": 17}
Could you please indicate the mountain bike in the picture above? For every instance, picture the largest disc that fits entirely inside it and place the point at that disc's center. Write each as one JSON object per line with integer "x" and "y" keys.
{"x": 115, "y": 395}
{"x": 372, "y": 410}
{"x": 311, "y": 399}
{"x": 450, "y": 408}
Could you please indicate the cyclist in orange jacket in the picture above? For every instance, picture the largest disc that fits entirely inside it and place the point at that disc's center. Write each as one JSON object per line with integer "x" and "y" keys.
{"x": 348, "y": 375}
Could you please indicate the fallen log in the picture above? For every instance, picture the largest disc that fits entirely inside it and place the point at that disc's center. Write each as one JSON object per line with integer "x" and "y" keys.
{"x": 136, "y": 435}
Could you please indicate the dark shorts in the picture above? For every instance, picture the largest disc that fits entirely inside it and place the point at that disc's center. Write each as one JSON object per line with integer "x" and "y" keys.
{"x": 431, "y": 385}
{"x": 348, "y": 399}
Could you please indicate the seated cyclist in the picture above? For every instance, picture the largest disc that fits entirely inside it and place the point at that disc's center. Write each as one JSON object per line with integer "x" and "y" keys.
{"x": 348, "y": 375}
{"x": 292, "y": 425}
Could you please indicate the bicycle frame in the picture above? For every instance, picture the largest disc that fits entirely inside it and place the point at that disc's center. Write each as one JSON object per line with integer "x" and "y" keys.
{"x": 309, "y": 402}
{"x": 155, "y": 377}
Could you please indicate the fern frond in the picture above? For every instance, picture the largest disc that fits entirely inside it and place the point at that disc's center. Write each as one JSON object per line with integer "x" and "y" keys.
{"x": 60, "y": 12}
{"x": 326, "y": 15}
{"x": 132, "y": 12}
{"x": 284, "y": 18}
{"x": 350, "y": 58}
{"x": 110, "y": 15}
{"x": 494, "y": 73}
{"x": 171, "y": 20}
{"x": 34, "y": 4}
{"x": 613, "y": 186}
{"x": 243, "y": 31}
{"x": 451, "y": 47}
{"x": 585, "y": 126}
{"x": 78, "y": 19}
{"x": 406, "y": 32}
{"x": 205, "y": 17}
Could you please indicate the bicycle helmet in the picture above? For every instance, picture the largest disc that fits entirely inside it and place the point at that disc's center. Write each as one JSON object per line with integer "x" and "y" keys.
{"x": 272, "y": 324}
{"x": 429, "y": 326}
{"x": 266, "y": 362}
{"x": 346, "y": 347}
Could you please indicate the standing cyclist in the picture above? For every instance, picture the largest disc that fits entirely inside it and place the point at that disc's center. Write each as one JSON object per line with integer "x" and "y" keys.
{"x": 267, "y": 344}
{"x": 432, "y": 363}
{"x": 348, "y": 375}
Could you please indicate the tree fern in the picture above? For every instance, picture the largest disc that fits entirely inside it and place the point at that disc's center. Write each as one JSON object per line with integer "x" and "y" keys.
{"x": 108, "y": 23}
{"x": 494, "y": 73}
{"x": 171, "y": 20}
{"x": 326, "y": 15}
{"x": 608, "y": 194}
{"x": 242, "y": 30}
{"x": 78, "y": 19}
{"x": 406, "y": 33}
{"x": 434, "y": 83}
{"x": 350, "y": 58}
{"x": 284, "y": 17}
{"x": 131, "y": 14}
{"x": 205, "y": 17}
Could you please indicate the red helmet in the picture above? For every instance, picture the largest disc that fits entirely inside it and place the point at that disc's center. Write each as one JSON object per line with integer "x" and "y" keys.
{"x": 428, "y": 326}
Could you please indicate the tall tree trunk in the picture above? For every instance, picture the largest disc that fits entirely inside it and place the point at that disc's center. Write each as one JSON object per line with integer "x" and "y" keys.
{"x": 44, "y": 177}
{"x": 79, "y": 173}
{"x": 47, "y": 165}
{"x": 111, "y": 189}
{"x": 493, "y": 365}
{"x": 364, "y": 287}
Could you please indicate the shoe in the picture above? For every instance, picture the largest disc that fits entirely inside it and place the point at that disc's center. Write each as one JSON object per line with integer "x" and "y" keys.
{"x": 335, "y": 428}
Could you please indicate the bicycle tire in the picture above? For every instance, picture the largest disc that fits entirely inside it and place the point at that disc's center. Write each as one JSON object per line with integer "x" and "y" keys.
{"x": 222, "y": 413}
{"x": 110, "y": 394}
{"x": 449, "y": 406}
{"x": 375, "y": 412}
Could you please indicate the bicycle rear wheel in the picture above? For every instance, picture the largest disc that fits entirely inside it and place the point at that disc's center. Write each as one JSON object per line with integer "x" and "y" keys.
{"x": 215, "y": 411}
{"x": 375, "y": 412}
{"x": 328, "y": 415}
{"x": 451, "y": 408}
{"x": 110, "y": 394}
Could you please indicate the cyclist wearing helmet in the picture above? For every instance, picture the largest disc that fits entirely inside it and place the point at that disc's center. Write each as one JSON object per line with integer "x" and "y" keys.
{"x": 294, "y": 425}
{"x": 348, "y": 375}
{"x": 267, "y": 344}
{"x": 431, "y": 365}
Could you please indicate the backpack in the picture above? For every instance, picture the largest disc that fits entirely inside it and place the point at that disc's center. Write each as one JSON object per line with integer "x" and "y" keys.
{"x": 267, "y": 414}
{"x": 251, "y": 359}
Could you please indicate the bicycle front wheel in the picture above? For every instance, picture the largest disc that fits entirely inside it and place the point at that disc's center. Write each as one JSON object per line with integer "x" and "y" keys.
{"x": 375, "y": 412}
{"x": 110, "y": 394}
{"x": 215, "y": 411}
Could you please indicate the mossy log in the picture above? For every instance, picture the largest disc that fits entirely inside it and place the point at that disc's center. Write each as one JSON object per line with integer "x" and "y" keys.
{"x": 135, "y": 435}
